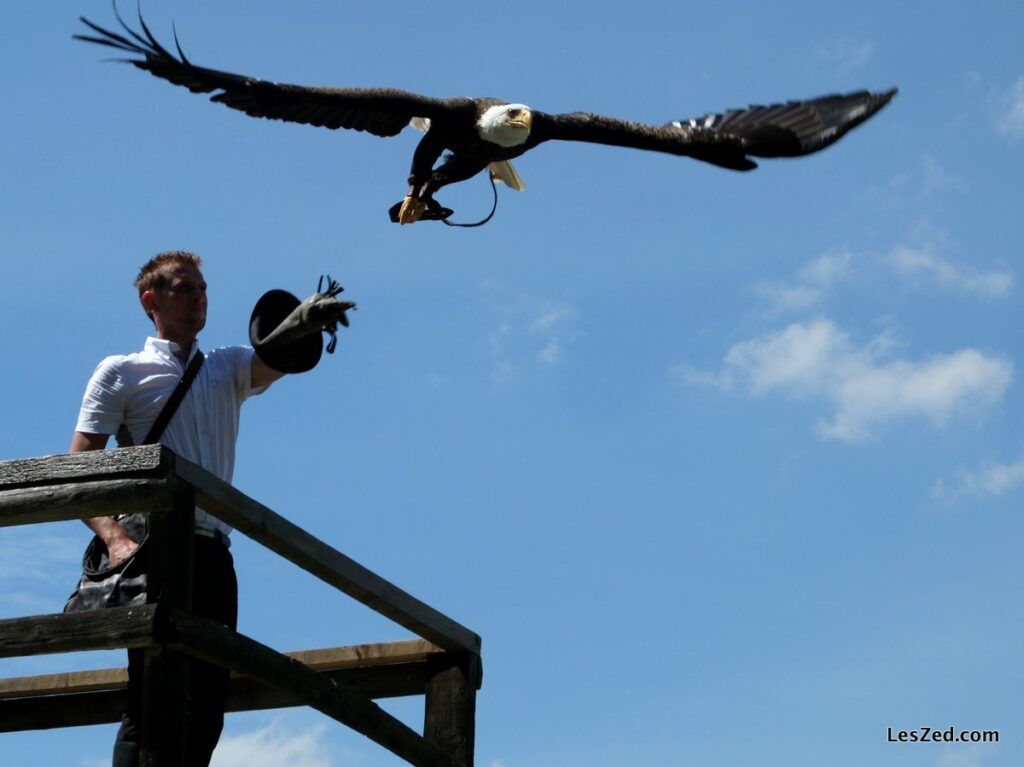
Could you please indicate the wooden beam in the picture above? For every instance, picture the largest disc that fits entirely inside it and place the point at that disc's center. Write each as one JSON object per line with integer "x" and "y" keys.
{"x": 69, "y": 682}
{"x": 72, "y": 632}
{"x": 313, "y": 555}
{"x": 61, "y": 487}
{"x": 80, "y": 500}
{"x": 56, "y": 711}
{"x": 164, "y": 714}
{"x": 104, "y": 706}
{"x": 366, "y": 655}
{"x": 450, "y": 708}
{"x": 396, "y": 680}
{"x": 217, "y": 644}
{"x": 145, "y": 461}
{"x": 323, "y": 659}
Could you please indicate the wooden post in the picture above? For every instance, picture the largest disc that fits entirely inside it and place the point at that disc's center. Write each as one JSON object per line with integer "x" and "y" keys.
{"x": 165, "y": 680}
{"x": 166, "y": 487}
{"x": 450, "y": 711}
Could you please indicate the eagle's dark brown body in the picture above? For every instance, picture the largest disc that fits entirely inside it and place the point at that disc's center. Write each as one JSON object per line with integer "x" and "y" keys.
{"x": 728, "y": 139}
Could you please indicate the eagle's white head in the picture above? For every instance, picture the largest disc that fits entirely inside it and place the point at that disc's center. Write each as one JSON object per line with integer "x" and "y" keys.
{"x": 506, "y": 125}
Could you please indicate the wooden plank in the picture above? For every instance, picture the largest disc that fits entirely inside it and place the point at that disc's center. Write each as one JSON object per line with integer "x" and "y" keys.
{"x": 104, "y": 706}
{"x": 396, "y": 680}
{"x": 80, "y": 500}
{"x": 313, "y": 555}
{"x": 450, "y": 708}
{"x": 55, "y": 711}
{"x": 74, "y": 632}
{"x": 69, "y": 682}
{"x": 217, "y": 644}
{"x": 323, "y": 659}
{"x": 165, "y": 682}
{"x": 365, "y": 655}
{"x": 144, "y": 461}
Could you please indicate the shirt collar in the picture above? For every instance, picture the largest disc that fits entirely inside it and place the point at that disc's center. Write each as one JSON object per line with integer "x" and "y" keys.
{"x": 166, "y": 348}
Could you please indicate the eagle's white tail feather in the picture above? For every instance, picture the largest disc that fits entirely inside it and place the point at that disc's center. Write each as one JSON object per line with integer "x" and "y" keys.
{"x": 503, "y": 171}
{"x": 420, "y": 123}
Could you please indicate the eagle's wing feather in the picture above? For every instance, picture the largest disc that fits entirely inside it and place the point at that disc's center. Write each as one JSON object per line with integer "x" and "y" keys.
{"x": 728, "y": 139}
{"x": 380, "y": 111}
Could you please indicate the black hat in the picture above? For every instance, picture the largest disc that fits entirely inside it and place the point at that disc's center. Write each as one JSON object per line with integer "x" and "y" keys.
{"x": 296, "y": 356}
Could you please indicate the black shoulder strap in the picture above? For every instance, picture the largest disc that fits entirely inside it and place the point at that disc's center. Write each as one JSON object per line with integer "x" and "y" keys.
{"x": 174, "y": 400}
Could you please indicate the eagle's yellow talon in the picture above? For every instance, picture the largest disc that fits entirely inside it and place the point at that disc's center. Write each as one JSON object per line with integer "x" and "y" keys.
{"x": 411, "y": 210}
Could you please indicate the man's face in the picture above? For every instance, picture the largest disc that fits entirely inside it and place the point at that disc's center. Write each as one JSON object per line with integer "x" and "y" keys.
{"x": 181, "y": 306}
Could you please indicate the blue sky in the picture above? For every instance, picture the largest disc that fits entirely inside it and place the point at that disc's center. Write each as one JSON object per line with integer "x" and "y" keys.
{"x": 726, "y": 469}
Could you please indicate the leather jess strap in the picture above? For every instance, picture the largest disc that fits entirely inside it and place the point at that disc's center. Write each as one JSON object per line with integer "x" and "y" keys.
{"x": 157, "y": 429}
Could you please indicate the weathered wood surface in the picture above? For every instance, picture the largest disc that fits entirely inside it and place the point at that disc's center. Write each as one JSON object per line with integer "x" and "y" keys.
{"x": 165, "y": 683}
{"x": 98, "y": 483}
{"x": 365, "y": 655}
{"x": 80, "y": 500}
{"x": 323, "y": 659}
{"x": 67, "y": 487}
{"x": 217, "y": 644}
{"x": 69, "y": 682}
{"x": 73, "y": 632}
{"x": 313, "y": 555}
{"x": 104, "y": 706}
{"x": 450, "y": 711}
{"x": 145, "y": 461}
{"x": 57, "y": 711}
{"x": 396, "y": 680}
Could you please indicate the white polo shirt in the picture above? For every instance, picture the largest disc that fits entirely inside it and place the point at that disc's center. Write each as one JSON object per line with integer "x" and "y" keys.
{"x": 129, "y": 391}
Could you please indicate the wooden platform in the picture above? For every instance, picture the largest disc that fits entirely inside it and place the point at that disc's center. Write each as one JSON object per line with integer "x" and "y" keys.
{"x": 443, "y": 665}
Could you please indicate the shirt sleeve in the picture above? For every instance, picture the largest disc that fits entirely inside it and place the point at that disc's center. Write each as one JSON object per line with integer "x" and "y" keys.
{"x": 103, "y": 405}
{"x": 241, "y": 359}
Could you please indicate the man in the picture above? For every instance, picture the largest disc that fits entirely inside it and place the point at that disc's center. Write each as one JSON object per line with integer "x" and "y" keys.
{"x": 124, "y": 397}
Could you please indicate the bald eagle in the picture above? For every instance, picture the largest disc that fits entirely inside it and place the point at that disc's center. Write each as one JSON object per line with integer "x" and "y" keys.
{"x": 486, "y": 133}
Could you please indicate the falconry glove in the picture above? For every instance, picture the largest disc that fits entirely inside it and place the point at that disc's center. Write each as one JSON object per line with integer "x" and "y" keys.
{"x": 285, "y": 332}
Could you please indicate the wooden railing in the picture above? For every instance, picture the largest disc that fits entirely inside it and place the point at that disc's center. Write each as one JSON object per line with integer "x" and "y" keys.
{"x": 444, "y": 665}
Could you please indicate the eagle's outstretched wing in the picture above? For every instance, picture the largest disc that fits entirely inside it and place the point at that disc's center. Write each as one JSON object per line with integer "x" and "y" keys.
{"x": 380, "y": 111}
{"x": 728, "y": 139}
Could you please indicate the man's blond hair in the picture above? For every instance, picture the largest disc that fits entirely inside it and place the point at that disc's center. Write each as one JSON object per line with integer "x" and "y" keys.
{"x": 154, "y": 273}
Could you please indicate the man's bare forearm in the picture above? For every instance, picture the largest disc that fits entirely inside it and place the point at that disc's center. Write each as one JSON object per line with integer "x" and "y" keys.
{"x": 119, "y": 545}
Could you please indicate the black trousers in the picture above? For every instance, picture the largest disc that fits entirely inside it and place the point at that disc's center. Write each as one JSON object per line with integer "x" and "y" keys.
{"x": 214, "y": 596}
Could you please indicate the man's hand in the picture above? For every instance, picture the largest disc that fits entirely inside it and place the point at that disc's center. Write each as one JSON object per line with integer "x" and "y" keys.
{"x": 119, "y": 545}
{"x": 321, "y": 311}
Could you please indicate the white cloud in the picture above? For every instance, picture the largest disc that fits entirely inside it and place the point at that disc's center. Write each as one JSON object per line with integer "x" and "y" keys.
{"x": 915, "y": 187}
{"x": 936, "y": 179}
{"x": 924, "y": 262}
{"x": 846, "y": 54}
{"x": 783, "y": 297}
{"x": 818, "y": 361}
{"x": 39, "y": 566}
{"x": 687, "y": 373}
{"x": 437, "y": 380}
{"x": 497, "y": 337}
{"x": 503, "y": 370}
{"x": 550, "y": 354}
{"x": 1011, "y": 119}
{"x": 552, "y": 315}
{"x": 273, "y": 746}
{"x": 960, "y": 757}
{"x": 529, "y": 331}
{"x": 827, "y": 270}
{"x": 810, "y": 285}
{"x": 990, "y": 481}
